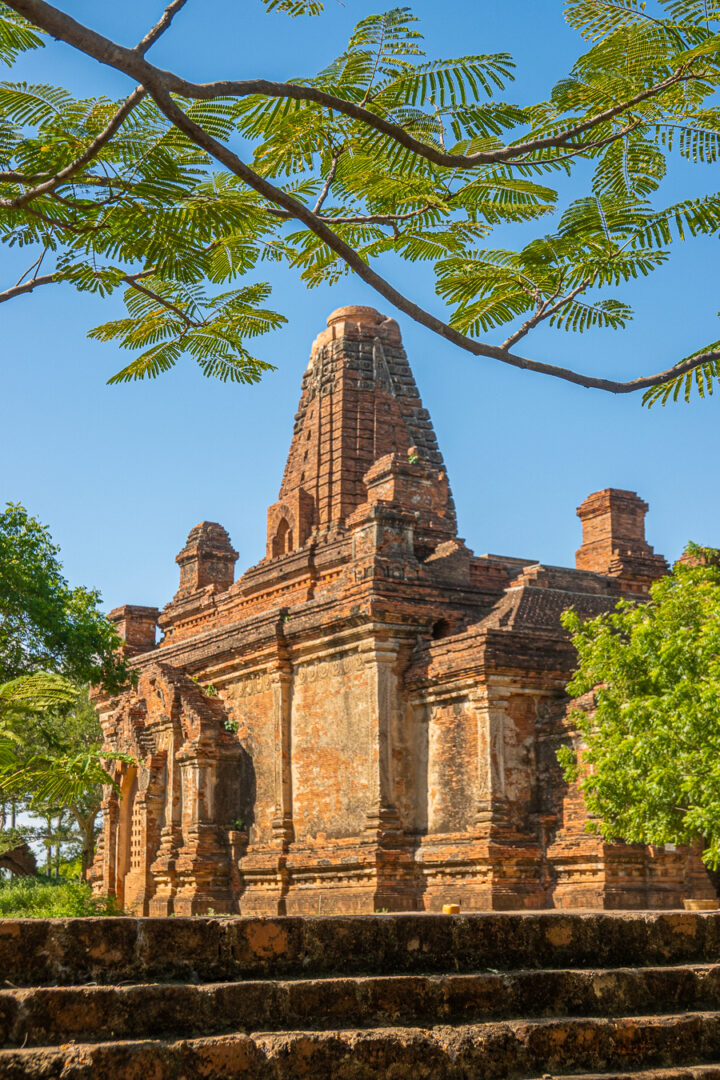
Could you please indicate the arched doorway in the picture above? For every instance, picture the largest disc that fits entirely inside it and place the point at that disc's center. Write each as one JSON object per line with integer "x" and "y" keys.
{"x": 283, "y": 539}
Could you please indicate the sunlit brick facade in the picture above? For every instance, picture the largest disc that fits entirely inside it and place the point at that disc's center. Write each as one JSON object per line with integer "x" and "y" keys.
{"x": 367, "y": 719}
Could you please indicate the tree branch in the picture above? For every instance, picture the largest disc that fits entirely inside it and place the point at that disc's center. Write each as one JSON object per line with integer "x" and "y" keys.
{"x": 160, "y": 84}
{"x": 20, "y": 178}
{"x": 105, "y": 135}
{"x": 35, "y": 268}
{"x": 79, "y": 163}
{"x": 303, "y": 213}
{"x": 545, "y": 311}
{"x": 106, "y": 51}
{"x": 56, "y": 223}
{"x": 28, "y": 286}
{"x": 160, "y": 26}
{"x": 379, "y": 219}
{"x": 437, "y": 156}
{"x": 583, "y": 148}
{"x": 89, "y": 179}
{"x": 133, "y": 282}
{"x": 362, "y": 219}
{"x": 56, "y": 278}
{"x": 328, "y": 182}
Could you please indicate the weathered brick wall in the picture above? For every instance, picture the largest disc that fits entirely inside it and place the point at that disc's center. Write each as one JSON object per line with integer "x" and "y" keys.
{"x": 452, "y": 787}
{"x": 250, "y": 704}
{"x": 331, "y": 747}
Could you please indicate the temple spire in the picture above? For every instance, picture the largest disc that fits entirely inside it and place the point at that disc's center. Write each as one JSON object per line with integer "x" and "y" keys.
{"x": 359, "y": 402}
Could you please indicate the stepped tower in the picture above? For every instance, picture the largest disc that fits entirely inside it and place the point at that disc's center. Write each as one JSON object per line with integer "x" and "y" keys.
{"x": 359, "y": 402}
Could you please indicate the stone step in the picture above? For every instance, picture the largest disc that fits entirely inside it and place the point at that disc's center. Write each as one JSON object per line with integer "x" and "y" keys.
{"x": 76, "y": 951}
{"x": 51, "y": 1015}
{"x": 493, "y": 1051}
{"x": 692, "y": 1072}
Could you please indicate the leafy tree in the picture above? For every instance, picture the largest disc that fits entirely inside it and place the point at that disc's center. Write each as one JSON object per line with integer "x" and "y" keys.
{"x": 51, "y": 760}
{"x": 64, "y": 774}
{"x": 45, "y": 625}
{"x": 650, "y": 765}
{"x": 55, "y": 834}
{"x": 53, "y": 639}
{"x": 21, "y": 701}
{"x": 383, "y": 151}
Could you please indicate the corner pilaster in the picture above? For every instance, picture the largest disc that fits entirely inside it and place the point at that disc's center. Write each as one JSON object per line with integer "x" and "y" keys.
{"x": 282, "y": 824}
{"x": 382, "y": 821}
{"x": 203, "y": 863}
{"x": 492, "y": 807}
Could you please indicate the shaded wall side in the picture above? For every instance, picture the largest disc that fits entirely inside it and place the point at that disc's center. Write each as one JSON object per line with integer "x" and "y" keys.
{"x": 250, "y": 703}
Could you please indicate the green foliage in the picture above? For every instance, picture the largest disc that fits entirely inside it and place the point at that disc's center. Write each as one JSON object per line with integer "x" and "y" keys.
{"x": 177, "y": 318}
{"x": 701, "y": 379}
{"x": 51, "y": 761}
{"x": 11, "y": 838}
{"x": 52, "y": 637}
{"x": 48, "y": 898}
{"x": 22, "y": 702}
{"x": 651, "y": 757}
{"x": 294, "y": 7}
{"x": 16, "y": 36}
{"x": 45, "y": 625}
{"x": 29, "y": 695}
{"x": 60, "y": 780}
{"x": 52, "y": 741}
{"x": 151, "y": 214}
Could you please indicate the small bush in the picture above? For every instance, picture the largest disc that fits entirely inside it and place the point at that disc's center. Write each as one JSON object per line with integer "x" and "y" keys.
{"x": 51, "y": 898}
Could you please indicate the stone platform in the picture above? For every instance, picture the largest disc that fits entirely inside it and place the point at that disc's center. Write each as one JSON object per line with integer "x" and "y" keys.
{"x": 491, "y": 996}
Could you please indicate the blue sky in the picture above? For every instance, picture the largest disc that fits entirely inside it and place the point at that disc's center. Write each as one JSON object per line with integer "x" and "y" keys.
{"x": 121, "y": 474}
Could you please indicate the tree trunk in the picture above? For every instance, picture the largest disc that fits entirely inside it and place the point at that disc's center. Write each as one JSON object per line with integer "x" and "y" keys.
{"x": 88, "y": 848}
{"x": 57, "y": 846}
{"x": 87, "y": 831}
{"x": 47, "y": 844}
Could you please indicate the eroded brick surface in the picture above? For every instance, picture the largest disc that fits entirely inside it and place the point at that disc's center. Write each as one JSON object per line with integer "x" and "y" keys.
{"x": 367, "y": 719}
{"x": 495, "y": 1051}
{"x": 510, "y": 996}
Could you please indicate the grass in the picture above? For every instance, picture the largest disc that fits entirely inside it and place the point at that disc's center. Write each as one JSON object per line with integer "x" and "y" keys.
{"x": 51, "y": 898}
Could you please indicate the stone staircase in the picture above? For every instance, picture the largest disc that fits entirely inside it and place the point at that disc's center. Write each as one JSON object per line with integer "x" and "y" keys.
{"x": 429, "y": 997}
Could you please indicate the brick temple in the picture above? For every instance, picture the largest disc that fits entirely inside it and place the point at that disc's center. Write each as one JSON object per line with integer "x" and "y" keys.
{"x": 368, "y": 718}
